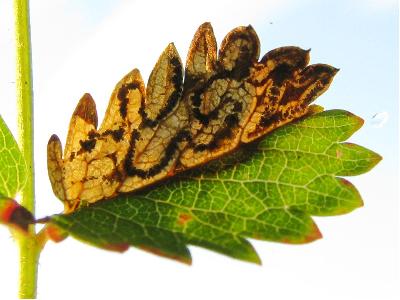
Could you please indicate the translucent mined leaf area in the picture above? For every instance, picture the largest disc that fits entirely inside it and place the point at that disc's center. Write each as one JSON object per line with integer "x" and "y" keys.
{"x": 12, "y": 163}
{"x": 184, "y": 117}
{"x": 266, "y": 191}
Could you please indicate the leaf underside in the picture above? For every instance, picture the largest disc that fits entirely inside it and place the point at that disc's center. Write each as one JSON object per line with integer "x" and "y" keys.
{"x": 266, "y": 191}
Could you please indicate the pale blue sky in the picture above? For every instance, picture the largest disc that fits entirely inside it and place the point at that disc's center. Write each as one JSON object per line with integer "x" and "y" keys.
{"x": 87, "y": 46}
{"x": 358, "y": 36}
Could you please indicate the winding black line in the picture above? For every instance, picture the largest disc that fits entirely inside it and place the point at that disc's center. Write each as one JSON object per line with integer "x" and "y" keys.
{"x": 230, "y": 122}
{"x": 171, "y": 149}
{"x": 122, "y": 97}
{"x": 116, "y": 134}
{"x": 173, "y": 99}
{"x": 87, "y": 145}
{"x": 239, "y": 72}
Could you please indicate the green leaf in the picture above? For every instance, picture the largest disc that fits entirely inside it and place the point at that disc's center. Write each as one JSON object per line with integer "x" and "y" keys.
{"x": 12, "y": 163}
{"x": 12, "y": 180}
{"x": 266, "y": 191}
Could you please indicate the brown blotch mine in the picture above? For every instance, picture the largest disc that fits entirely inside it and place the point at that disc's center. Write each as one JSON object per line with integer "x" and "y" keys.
{"x": 86, "y": 109}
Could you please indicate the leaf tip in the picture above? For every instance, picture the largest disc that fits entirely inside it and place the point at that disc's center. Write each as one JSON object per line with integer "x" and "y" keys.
{"x": 86, "y": 109}
{"x": 249, "y": 253}
{"x": 375, "y": 159}
{"x": 358, "y": 121}
{"x": 257, "y": 260}
{"x": 314, "y": 234}
{"x": 54, "y": 139}
{"x": 356, "y": 202}
{"x": 185, "y": 258}
{"x": 335, "y": 70}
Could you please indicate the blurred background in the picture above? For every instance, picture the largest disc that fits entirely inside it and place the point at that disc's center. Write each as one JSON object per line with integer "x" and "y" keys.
{"x": 87, "y": 46}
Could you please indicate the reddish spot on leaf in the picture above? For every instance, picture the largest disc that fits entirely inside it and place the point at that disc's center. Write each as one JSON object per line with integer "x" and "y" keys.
{"x": 184, "y": 218}
{"x": 7, "y": 210}
{"x": 350, "y": 145}
{"x": 171, "y": 173}
{"x": 122, "y": 247}
{"x": 13, "y": 214}
{"x": 185, "y": 260}
{"x": 339, "y": 153}
{"x": 56, "y": 234}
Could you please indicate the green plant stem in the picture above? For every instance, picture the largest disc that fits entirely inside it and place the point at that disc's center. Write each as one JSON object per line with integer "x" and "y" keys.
{"x": 29, "y": 250}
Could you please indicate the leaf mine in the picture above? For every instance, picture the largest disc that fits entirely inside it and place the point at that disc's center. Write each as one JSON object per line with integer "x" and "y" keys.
{"x": 185, "y": 117}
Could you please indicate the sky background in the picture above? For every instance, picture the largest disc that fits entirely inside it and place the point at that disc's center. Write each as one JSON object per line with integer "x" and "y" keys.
{"x": 87, "y": 46}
